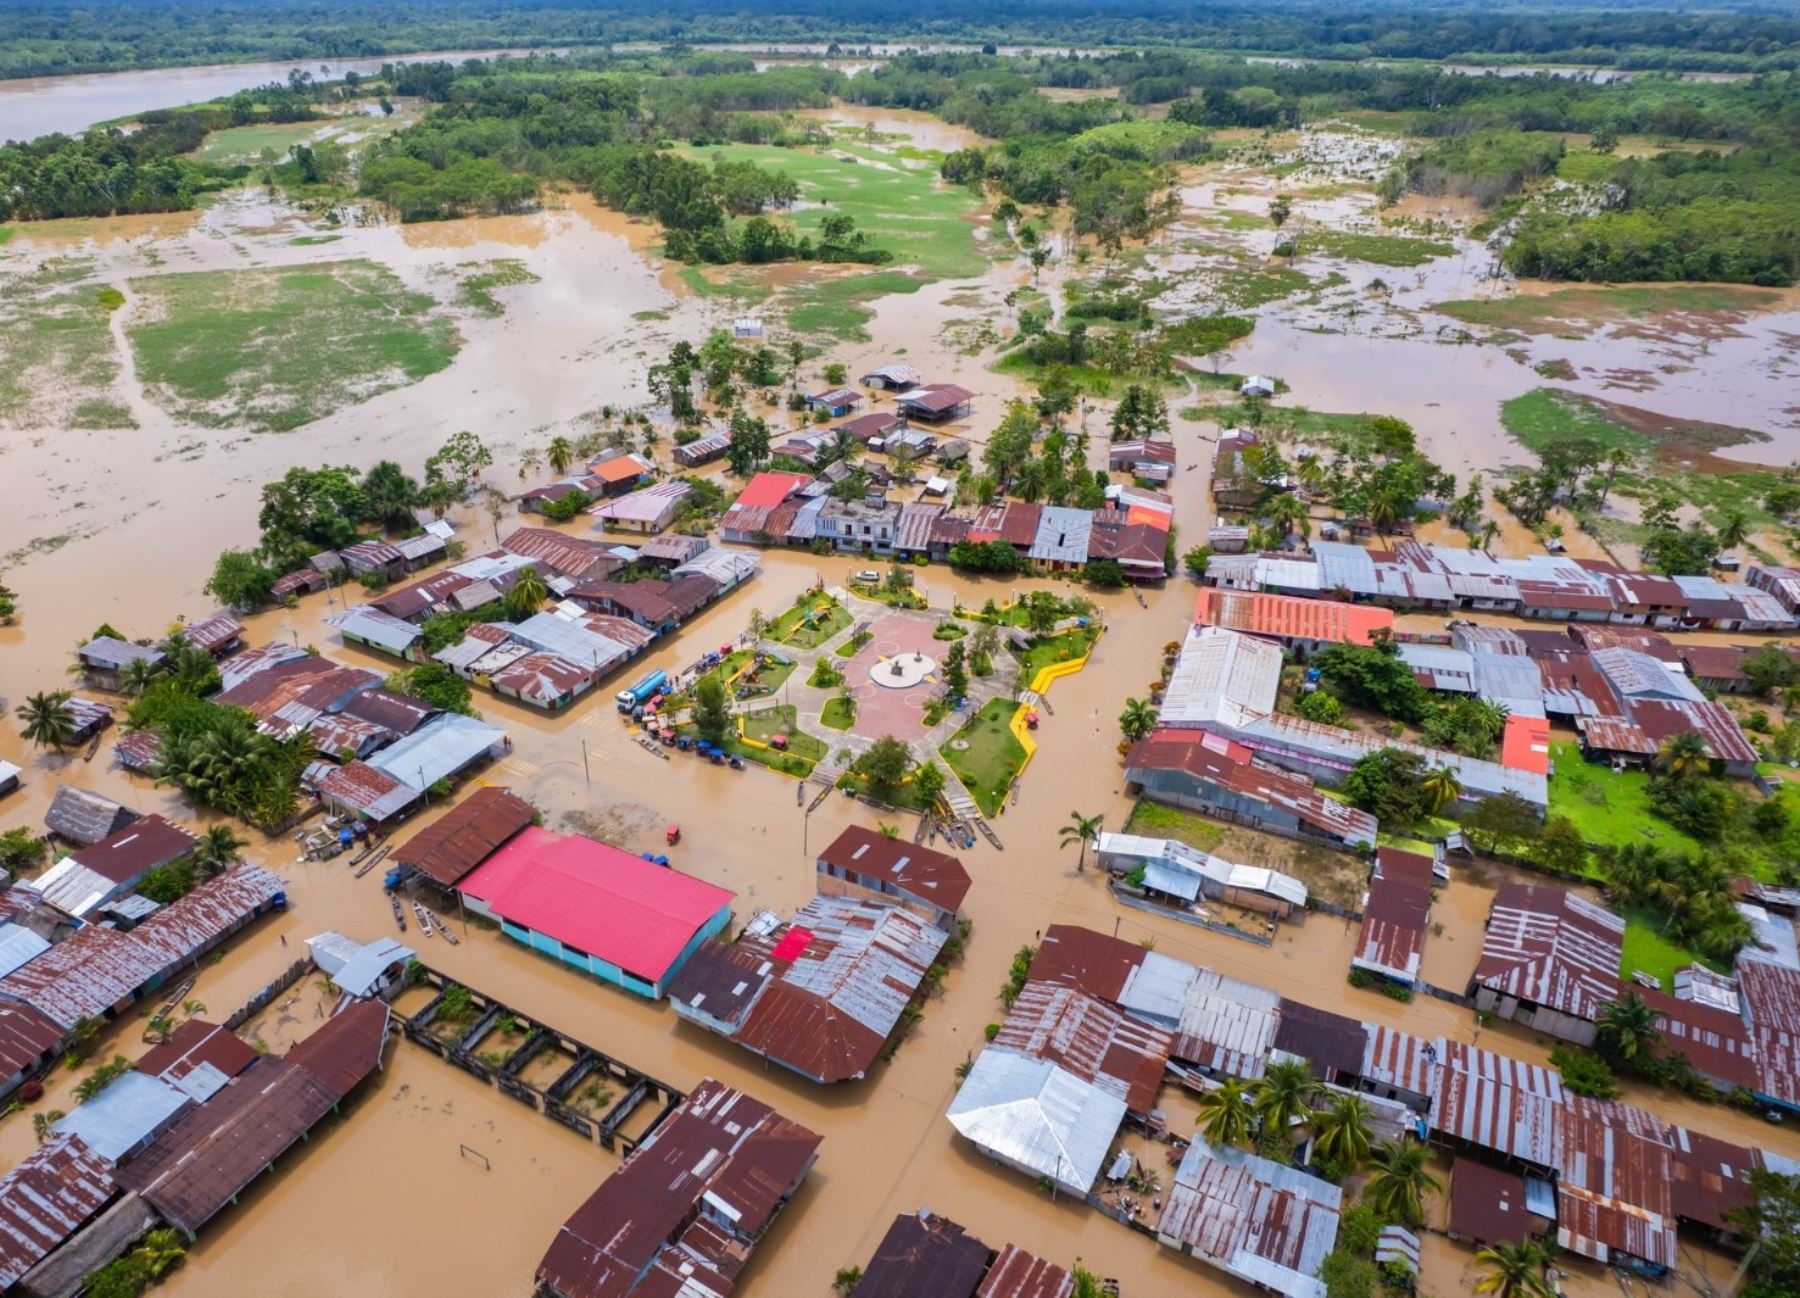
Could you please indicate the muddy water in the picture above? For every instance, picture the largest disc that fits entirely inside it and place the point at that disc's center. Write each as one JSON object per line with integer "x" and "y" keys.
{"x": 34, "y": 106}
{"x": 386, "y": 1197}
{"x": 924, "y": 130}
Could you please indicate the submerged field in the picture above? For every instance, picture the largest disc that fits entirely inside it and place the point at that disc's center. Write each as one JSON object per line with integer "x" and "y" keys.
{"x": 58, "y": 363}
{"x": 277, "y": 348}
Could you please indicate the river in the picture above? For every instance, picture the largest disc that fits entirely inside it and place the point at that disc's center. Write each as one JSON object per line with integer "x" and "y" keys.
{"x": 34, "y": 106}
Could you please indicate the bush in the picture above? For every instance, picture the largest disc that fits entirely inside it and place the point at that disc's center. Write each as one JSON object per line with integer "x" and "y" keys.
{"x": 1321, "y": 706}
{"x": 1584, "y": 1073}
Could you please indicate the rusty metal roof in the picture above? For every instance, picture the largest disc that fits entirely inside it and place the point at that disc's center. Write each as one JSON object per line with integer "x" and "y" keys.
{"x": 214, "y": 633}
{"x": 1090, "y": 962}
{"x": 1261, "y": 1221}
{"x": 26, "y": 1036}
{"x": 346, "y": 1048}
{"x": 829, "y": 1012}
{"x": 1212, "y": 759}
{"x": 195, "y": 1169}
{"x": 1487, "y": 1204}
{"x": 45, "y": 1199}
{"x": 198, "y": 1048}
{"x": 466, "y": 835}
{"x": 914, "y": 870}
{"x": 145, "y": 844}
{"x": 1090, "y": 1039}
{"x": 722, "y": 1155}
{"x": 97, "y": 968}
{"x": 1018, "y": 1274}
{"x": 81, "y": 816}
{"x": 1547, "y": 946}
{"x": 1711, "y": 1177}
{"x": 923, "y": 1256}
{"x": 1714, "y": 1040}
{"x": 1598, "y": 1227}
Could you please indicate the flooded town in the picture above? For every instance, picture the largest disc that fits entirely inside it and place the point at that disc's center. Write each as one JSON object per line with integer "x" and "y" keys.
{"x": 996, "y": 661}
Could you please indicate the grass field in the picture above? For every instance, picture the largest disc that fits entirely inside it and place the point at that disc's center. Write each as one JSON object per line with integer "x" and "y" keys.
{"x": 1154, "y": 820}
{"x": 1648, "y": 950}
{"x": 1576, "y": 312}
{"x": 1608, "y": 806}
{"x": 57, "y": 358}
{"x": 1377, "y": 249}
{"x": 803, "y": 751}
{"x": 838, "y": 307}
{"x": 247, "y": 144}
{"x": 903, "y": 209}
{"x": 993, "y": 756}
{"x": 1046, "y": 651}
{"x": 481, "y": 279}
{"x": 279, "y": 348}
{"x": 1544, "y": 417}
{"x": 1584, "y": 166}
{"x": 810, "y": 624}
{"x": 1259, "y": 285}
{"x": 837, "y": 714}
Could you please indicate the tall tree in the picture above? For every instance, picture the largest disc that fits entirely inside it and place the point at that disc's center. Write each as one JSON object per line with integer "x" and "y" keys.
{"x": 1682, "y": 755}
{"x": 1342, "y": 1131}
{"x": 560, "y": 454}
{"x": 527, "y": 595}
{"x": 1399, "y": 1181}
{"x": 1440, "y": 788}
{"x": 1079, "y": 832}
{"x": 391, "y": 495}
{"x": 1225, "y": 1114}
{"x": 1626, "y": 1030}
{"x": 1513, "y": 1271}
{"x": 712, "y": 718}
{"x": 46, "y": 719}
{"x": 1284, "y": 1094}
{"x": 1137, "y": 720}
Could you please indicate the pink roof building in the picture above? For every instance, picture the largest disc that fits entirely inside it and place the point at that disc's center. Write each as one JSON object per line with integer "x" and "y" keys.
{"x": 605, "y": 911}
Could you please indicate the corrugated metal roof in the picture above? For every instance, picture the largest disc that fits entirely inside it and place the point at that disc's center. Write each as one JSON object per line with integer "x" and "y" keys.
{"x": 373, "y": 626}
{"x": 1598, "y": 1227}
{"x": 924, "y": 1256}
{"x": 1018, "y": 1274}
{"x": 655, "y": 503}
{"x": 1291, "y": 618}
{"x": 721, "y": 1157}
{"x": 1226, "y": 1024}
{"x": 443, "y": 747}
{"x": 198, "y": 1058}
{"x": 26, "y": 1036}
{"x": 1037, "y": 1116}
{"x": 916, "y": 871}
{"x": 1253, "y": 1218}
{"x": 1221, "y": 677}
{"x": 596, "y": 898}
{"x": 132, "y": 1109}
{"x": 466, "y": 835}
{"x": 18, "y": 947}
{"x": 45, "y": 1199}
{"x": 1549, "y": 947}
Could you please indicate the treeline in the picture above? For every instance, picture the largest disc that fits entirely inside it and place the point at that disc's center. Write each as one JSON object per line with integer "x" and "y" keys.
{"x": 47, "y": 37}
{"x": 108, "y": 171}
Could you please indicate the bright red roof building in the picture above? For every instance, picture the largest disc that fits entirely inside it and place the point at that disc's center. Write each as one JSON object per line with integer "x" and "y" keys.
{"x": 1525, "y": 744}
{"x": 1288, "y": 618}
{"x": 594, "y": 905}
{"x": 767, "y": 490}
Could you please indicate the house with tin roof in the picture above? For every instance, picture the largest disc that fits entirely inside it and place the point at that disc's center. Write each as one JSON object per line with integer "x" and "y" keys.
{"x": 862, "y": 863}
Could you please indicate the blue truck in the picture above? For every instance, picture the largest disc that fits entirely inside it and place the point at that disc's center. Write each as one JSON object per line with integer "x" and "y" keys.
{"x": 642, "y": 692}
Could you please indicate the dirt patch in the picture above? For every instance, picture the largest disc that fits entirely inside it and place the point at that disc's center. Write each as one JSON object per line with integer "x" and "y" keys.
{"x": 1330, "y": 876}
{"x": 1691, "y": 441}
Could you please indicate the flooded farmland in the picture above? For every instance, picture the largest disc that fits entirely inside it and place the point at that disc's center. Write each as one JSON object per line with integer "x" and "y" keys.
{"x": 433, "y": 1182}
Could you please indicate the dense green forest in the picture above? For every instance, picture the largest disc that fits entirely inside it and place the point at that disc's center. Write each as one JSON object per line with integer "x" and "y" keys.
{"x": 46, "y": 37}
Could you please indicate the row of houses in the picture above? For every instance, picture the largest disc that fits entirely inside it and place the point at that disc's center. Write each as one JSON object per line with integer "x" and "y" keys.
{"x": 175, "y": 1140}
{"x": 776, "y": 509}
{"x": 1081, "y": 1058}
{"x": 598, "y": 623}
{"x": 1550, "y": 588}
{"x": 103, "y": 659}
{"x": 1550, "y": 959}
{"x": 58, "y": 983}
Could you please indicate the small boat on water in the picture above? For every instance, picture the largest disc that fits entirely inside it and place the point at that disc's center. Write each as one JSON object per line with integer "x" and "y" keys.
{"x": 425, "y": 925}
{"x": 399, "y": 915}
{"x": 444, "y": 931}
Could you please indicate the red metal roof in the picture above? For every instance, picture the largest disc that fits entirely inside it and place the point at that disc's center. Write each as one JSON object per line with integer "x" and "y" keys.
{"x": 721, "y": 1153}
{"x": 1392, "y": 937}
{"x": 1090, "y": 962}
{"x": 767, "y": 490}
{"x": 463, "y": 837}
{"x": 1661, "y": 719}
{"x": 1711, "y": 1178}
{"x": 194, "y": 1043}
{"x": 1525, "y": 744}
{"x": 598, "y": 899}
{"x": 1018, "y": 1274}
{"x": 1019, "y": 524}
{"x": 1222, "y": 762}
{"x": 1288, "y": 617}
{"x": 792, "y": 943}
{"x": 141, "y": 846}
{"x": 45, "y": 1199}
{"x": 1487, "y": 1204}
{"x": 914, "y": 870}
{"x": 346, "y": 1048}
{"x": 1714, "y": 1040}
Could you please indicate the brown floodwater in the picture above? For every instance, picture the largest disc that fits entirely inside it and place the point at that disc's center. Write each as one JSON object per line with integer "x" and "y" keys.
{"x": 385, "y": 1201}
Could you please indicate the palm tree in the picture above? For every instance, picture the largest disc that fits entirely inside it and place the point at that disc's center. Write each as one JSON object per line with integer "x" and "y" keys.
{"x": 1283, "y": 1096}
{"x": 136, "y": 675}
{"x": 1226, "y": 1114}
{"x": 1682, "y": 755}
{"x": 1137, "y": 720}
{"x": 160, "y": 1253}
{"x": 530, "y": 462}
{"x": 193, "y": 1009}
{"x": 1489, "y": 530}
{"x": 217, "y": 849}
{"x": 1626, "y": 1029}
{"x": 1399, "y": 1182}
{"x": 528, "y": 593}
{"x": 1081, "y": 830}
{"x": 1343, "y": 1131}
{"x": 1513, "y": 1271}
{"x": 1734, "y": 531}
{"x": 561, "y": 454}
{"x": 47, "y": 719}
{"x": 1441, "y": 788}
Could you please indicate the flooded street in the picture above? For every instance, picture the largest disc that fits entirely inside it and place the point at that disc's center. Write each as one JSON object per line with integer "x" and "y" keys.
{"x": 123, "y": 526}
